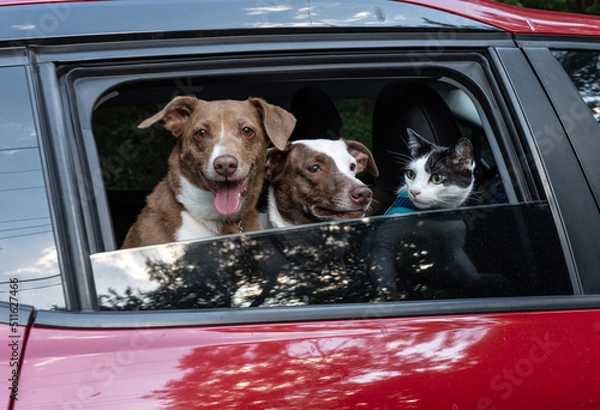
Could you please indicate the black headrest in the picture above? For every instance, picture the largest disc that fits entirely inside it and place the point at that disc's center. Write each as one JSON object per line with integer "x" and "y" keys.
{"x": 399, "y": 106}
{"x": 316, "y": 115}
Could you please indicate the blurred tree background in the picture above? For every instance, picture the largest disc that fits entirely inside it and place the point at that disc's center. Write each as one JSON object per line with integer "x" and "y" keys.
{"x": 573, "y": 6}
{"x": 356, "y": 114}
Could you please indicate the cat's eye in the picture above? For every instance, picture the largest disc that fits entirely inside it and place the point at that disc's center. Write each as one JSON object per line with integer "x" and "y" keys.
{"x": 410, "y": 174}
{"x": 437, "y": 179}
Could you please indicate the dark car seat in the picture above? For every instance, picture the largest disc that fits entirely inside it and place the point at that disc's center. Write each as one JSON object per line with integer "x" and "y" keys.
{"x": 316, "y": 115}
{"x": 399, "y": 106}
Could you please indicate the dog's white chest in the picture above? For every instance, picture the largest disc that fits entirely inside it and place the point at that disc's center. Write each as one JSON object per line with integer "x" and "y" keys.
{"x": 199, "y": 219}
{"x": 192, "y": 229}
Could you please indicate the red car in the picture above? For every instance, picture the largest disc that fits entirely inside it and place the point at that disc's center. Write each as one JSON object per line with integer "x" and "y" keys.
{"x": 495, "y": 304}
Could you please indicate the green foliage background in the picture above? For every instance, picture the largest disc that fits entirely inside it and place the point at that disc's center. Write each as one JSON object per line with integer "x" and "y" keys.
{"x": 356, "y": 114}
{"x": 131, "y": 159}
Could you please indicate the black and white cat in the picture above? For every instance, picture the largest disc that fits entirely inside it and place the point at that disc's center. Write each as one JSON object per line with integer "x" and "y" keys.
{"x": 435, "y": 177}
{"x": 424, "y": 257}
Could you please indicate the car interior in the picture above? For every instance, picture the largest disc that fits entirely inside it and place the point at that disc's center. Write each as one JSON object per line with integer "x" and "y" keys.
{"x": 440, "y": 111}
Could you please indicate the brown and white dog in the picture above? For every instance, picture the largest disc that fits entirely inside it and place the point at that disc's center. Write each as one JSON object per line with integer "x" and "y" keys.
{"x": 314, "y": 180}
{"x": 216, "y": 170}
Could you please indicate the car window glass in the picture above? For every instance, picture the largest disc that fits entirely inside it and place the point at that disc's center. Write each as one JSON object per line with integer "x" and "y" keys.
{"x": 27, "y": 247}
{"x": 501, "y": 250}
{"x": 583, "y": 67}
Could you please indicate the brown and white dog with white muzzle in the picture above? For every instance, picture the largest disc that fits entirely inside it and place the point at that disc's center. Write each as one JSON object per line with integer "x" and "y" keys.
{"x": 216, "y": 170}
{"x": 314, "y": 180}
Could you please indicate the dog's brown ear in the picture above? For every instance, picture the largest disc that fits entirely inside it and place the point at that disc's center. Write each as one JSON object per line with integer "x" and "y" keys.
{"x": 174, "y": 115}
{"x": 278, "y": 123}
{"x": 275, "y": 163}
{"x": 363, "y": 156}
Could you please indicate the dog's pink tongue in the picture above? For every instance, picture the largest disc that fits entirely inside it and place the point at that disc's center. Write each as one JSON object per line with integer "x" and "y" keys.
{"x": 227, "y": 199}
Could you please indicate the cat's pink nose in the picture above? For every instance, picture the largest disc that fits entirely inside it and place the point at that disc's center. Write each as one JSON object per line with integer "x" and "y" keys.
{"x": 415, "y": 192}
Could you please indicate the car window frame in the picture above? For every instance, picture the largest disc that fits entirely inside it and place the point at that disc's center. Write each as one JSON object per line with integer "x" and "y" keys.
{"x": 556, "y": 159}
{"x": 81, "y": 280}
{"x": 583, "y": 134}
{"x": 571, "y": 110}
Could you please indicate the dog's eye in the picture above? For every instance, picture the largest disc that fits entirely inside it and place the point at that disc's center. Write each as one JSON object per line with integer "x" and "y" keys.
{"x": 437, "y": 179}
{"x": 352, "y": 167}
{"x": 314, "y": 168}
{"x": 200, "y": 134}
{"x": 247, "y": 132}
{"x": 410, "y": 174}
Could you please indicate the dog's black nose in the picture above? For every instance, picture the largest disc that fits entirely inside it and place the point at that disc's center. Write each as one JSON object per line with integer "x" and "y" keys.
{"x": 361, "y": 195}
{"x": 225, "y": 165}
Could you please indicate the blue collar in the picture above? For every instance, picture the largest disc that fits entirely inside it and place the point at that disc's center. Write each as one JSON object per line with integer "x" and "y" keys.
{"x": 402, "y": 205}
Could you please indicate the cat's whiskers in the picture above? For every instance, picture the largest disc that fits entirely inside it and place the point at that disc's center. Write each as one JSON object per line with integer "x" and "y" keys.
{"x": 403, "y": 159}
{"x": 476, "y": 195}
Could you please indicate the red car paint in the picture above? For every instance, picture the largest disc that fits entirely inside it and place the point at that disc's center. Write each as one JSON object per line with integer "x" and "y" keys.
{"x": 488, "y": 361}
{"x": 518, "y": 20}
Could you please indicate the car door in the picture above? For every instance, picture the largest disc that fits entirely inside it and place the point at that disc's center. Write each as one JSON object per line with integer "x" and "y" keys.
{"x": 490, "y": 299}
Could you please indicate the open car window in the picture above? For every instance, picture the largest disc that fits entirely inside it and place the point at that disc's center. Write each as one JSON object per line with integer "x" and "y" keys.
{"x": 502, "y": 242}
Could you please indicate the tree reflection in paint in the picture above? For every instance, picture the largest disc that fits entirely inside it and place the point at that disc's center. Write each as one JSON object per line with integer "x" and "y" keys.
{"x": 308, "y": 367}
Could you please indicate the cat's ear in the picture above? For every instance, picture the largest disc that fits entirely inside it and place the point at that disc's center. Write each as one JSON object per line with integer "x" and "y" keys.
{"x": 462, "y": 153}
{"x": 417, "y": 145}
